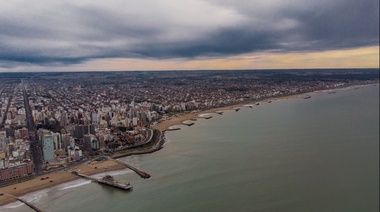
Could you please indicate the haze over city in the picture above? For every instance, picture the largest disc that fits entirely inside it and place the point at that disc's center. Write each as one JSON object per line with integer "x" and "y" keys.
{"x": 174, "y": 35}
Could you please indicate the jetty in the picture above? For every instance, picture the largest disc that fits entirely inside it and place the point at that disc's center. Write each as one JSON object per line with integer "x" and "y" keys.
{"x": 187, "y": 123}
{"x": 205, "y": 116}
{"x": 172, "y": 128}
{"x": 107, "y": 180}
{"x": 140, "y": 173}
{"x": 23, "y": 201}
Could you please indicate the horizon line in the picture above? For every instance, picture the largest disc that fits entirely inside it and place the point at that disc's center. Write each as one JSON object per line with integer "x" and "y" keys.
{"x": 163, "y": 70}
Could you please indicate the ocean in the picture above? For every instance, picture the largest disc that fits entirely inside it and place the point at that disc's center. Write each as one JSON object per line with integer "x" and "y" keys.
{"x": 317, "y": 154}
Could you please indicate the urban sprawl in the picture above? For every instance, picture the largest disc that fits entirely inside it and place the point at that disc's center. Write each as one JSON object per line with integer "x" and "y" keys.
{"x": 51, "y": 121}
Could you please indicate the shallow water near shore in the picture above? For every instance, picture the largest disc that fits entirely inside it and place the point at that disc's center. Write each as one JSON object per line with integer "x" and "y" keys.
{"x": 317, "y": 154}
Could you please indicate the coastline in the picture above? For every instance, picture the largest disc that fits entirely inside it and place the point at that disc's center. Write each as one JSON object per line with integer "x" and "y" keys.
{"x": 165, "y": 125}
{"x": 56, "y": 178}
{"x": 176, "y": 121}
{"x": 92, "y": 168}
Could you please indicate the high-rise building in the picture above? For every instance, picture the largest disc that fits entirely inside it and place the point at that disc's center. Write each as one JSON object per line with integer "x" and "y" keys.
{"x": 57, "y": 137}
{"x": 79, "y": 131}
{"x": 48, "y": 147}
{"x": 94, "y": 118}
{"x": 64, "y": 119}
{"x": 91, "y": 142}
{"x": 3, "y": 136}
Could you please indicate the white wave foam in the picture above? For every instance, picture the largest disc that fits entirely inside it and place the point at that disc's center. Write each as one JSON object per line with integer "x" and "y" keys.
{"x": 30, "y": 197}
{"x": 205, "y": 114}
{"x": 11, "y": 205}
{"x": 73, "y": 184}
{"x": 36, "y": 196}
{"x": 167, "y": 139}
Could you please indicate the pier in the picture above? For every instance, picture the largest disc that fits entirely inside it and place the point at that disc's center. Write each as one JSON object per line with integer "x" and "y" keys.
{"x": 112, "y": 183}
{"x": 187, "y": 123}
{"x": 173, "y": 128}
{"x": 205, "y": 116}
{"x": 140, "y": 173}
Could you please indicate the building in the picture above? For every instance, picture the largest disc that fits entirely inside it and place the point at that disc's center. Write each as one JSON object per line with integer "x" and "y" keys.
{"x": 48, "y": 147}
{"x": 16, "y": 172}
{"x": 3, "y": 137}
{"x": 57, "y": 137}
{"x": 91, "y": 142}
{"x": 81, "y": 130}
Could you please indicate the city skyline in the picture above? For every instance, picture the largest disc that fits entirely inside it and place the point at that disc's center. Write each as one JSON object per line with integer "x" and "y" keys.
{"x": 198, "y": 35}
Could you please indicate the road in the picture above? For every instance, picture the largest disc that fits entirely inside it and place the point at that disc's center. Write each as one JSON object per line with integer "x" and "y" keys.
{"x": 35, "y": 144}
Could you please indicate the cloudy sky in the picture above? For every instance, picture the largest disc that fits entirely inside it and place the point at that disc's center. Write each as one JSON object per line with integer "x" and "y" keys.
{"x": 85, "y": 35}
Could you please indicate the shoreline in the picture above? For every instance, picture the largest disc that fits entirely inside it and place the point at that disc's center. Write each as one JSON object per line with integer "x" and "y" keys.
{"x": 178, "y": 121}
{"x": 53, "y": 179}
{"x": 91, "y": 168}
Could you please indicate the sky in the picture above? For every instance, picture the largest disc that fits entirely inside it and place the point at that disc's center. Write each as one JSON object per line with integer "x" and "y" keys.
{"x": 118, "y": 35}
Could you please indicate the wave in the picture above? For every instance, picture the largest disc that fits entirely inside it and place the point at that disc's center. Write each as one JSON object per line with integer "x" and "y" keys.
{"x": 205, "y": 115}
{"x": 73, "y": 184}
{"x": 30, "y": 197}
{"x": 36, "y": 196}
{"x": 11, "y": 205}
{"x": 167, "y": 140}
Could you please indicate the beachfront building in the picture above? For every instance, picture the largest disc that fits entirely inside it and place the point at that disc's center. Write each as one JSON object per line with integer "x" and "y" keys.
{"x": 48, "y": 147}
{"x": 91, "y": 142}
{"x": 3, "y": 137}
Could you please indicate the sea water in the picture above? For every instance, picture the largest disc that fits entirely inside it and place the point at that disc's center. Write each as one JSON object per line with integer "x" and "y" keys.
{"x": 317, "y": 154}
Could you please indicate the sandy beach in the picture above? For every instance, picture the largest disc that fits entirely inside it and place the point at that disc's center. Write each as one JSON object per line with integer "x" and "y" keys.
{"x": 164, "y": 125}
{"x": 53, "y": 179}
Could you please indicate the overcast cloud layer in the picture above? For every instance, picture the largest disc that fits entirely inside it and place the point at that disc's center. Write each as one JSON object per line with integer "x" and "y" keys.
{"x": 69, "y": 32}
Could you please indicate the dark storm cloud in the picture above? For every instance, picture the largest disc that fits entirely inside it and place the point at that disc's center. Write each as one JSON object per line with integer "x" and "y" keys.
{"x": 64, "y": 32}
{"x": 344, "y": 24}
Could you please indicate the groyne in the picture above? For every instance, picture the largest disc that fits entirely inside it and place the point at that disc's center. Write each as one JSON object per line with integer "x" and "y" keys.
{"x": 23, "y": 201}
{"x": 139, "y": 172}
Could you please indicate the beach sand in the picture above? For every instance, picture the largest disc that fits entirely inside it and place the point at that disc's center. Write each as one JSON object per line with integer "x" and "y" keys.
{"x": 53, "y": 179}
{"x": 164, "y": 125}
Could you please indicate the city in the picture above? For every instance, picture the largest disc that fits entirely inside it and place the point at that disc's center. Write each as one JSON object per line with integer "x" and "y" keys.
{"x": 51, "y": 121}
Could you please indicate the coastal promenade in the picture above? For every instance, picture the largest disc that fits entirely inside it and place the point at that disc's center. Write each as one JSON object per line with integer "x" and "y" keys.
{"x": 151, "y": 146}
